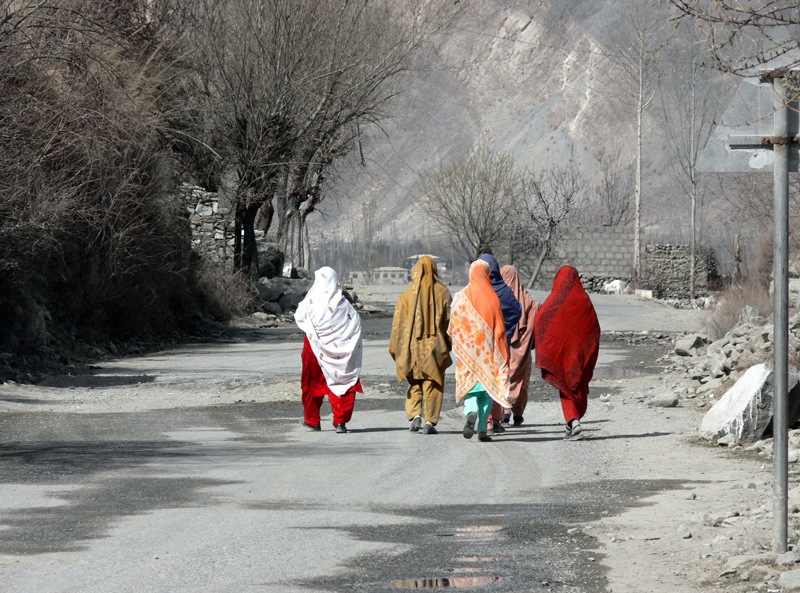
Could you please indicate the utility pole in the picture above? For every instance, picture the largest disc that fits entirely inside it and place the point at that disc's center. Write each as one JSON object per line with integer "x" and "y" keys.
{"x": 731, "y": 151}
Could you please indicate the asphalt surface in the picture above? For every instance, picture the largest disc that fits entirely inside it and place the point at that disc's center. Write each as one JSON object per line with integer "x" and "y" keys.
{"x": 190, "y": 495}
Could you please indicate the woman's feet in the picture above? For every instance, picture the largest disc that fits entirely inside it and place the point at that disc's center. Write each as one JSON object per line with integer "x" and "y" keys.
{"x": 416, "y": 424}
{"x": 429, "y": 429}
{"x": 484, "y": 438}
{"x": 574, "y": 431}
{"x": 310, "y": 426}
{"x": 341, "y": 428}
{"x": 469, "y": 426}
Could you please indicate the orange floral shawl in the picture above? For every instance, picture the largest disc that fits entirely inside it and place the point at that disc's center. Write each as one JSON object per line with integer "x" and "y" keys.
{"x": 478, "y": 333}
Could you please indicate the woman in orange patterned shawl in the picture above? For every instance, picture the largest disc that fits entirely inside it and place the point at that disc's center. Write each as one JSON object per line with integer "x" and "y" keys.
{"x": 480, "y": 344}
{"x": 420, "y": 345}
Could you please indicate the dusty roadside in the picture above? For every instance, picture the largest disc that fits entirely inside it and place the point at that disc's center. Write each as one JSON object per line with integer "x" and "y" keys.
{"x": 715, "y": 531}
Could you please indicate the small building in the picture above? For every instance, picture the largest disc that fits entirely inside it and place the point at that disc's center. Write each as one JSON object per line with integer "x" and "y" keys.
{"x": 390, "y": 275}
{"x": 442, "y": 264}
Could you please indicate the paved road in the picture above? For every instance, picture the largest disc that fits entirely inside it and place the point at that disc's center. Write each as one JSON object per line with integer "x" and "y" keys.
{"x": 184, "y": 494}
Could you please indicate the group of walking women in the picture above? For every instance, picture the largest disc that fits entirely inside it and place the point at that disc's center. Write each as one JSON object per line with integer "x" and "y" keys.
{"x": 492, "y": 325}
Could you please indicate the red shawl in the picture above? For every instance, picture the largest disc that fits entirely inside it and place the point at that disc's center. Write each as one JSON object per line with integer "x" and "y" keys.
{"x": 567, "y": 337}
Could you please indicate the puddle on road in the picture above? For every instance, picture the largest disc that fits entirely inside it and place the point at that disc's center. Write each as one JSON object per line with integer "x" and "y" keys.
{"x": 448, "y": 583}
{"x": 618, "y": 373}
{"x": 523, "y": 547}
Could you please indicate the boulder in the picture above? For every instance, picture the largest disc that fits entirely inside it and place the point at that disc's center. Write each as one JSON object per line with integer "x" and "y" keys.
{"x": 304, "y": 273}
{"x": 294, "y": 293}
{"x": 751, "y": 315}
{"x": 790, "y": 580}
{"x": 687, "y": 345}
{"x": 745, "y": 411}
{"x": 269, "y": 289}
{"x": 273, "y": 307}
{"x": 664, "y": 401}
{"x": 270, "y": 259}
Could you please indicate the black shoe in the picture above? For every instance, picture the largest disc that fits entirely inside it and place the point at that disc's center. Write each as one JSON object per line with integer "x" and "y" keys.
{"x": 469, "y": 426}
{"x": 416, "y": 424}
{"x": 484, "y": 438}
{"x": 518, "y": 420}
{"x": 429, "y": 429}
{"x": 506, "y": 418}
{"x": 310, "y": 426}
{"x": 341, "y": 428}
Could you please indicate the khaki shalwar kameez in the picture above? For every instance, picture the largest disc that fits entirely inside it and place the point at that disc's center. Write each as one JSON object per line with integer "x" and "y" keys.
{"x": 420, "y": 345}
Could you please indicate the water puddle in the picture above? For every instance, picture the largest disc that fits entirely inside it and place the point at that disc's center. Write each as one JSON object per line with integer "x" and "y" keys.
{"x": 475, "y": 532}
{"x": 618, "y": 373}
{"x": 449, "y": 583}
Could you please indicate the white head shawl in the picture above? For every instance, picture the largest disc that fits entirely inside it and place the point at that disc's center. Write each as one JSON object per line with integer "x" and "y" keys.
{"x": 333, "y": 328}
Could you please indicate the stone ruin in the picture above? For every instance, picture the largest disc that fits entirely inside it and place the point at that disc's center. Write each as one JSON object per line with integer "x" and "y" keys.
{"x": 667, "y": 270}
{"x": 212, "y": 225}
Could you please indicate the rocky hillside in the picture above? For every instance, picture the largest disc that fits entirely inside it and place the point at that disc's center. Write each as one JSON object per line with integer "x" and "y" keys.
{"x": 532, "y": 77}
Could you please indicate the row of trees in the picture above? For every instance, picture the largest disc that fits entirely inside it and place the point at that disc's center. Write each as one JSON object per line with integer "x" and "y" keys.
{"x": 486, "y": 202}
{"x": 106, "y": 105}
{"x": 659, "y": 72}
{"x": 284, "y": 88}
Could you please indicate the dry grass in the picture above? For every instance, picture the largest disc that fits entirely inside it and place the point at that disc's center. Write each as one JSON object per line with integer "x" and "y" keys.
{"x": 232, "y": 293}
{"x": 729, "y": 306}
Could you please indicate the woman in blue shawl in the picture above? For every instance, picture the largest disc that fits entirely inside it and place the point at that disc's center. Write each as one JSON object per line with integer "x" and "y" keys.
{"x": 512, "y": 311}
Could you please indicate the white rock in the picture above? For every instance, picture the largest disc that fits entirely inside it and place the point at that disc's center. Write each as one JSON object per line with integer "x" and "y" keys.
{"x": 745, "y": 409}
{"x": 790, "y": 580}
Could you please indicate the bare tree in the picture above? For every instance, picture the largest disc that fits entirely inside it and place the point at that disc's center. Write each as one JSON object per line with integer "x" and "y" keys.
{"x": 293, "y": 84}
{"x": 643, "y": 32}
{"x": 745, "y": 35}
{"x": 549, "y": 199}
{"x": 689, "y": 108}
{"x": 473, "y": 200}
{"x": 610, "y": 200}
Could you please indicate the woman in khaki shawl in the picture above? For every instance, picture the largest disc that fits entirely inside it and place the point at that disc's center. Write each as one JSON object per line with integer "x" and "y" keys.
{"x": 420, "y": 345}
{"x": 521, "y": 345}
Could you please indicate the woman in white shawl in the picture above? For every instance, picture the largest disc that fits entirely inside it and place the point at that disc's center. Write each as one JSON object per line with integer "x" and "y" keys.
{"x": 331, "y": 352}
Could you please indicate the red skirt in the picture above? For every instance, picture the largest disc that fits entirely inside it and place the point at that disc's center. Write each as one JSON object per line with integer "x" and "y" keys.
{"x": 315, "y": 388}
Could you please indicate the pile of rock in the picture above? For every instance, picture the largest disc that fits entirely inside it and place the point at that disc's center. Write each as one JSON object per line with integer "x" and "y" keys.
{"x": 735, "y": 365}
{"x": 711, "y": 363}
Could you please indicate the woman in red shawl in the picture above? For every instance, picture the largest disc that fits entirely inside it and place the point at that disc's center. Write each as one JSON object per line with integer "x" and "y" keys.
{"x": 567, "y": 338}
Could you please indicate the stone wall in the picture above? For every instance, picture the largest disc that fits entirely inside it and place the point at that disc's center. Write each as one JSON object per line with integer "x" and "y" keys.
{"x": 212, "y": 224}
{"x": 667, "y": 270}
{"x": 600, "y": 254}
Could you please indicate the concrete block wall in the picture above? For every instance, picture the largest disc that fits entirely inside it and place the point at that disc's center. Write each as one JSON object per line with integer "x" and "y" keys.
{"x": 600, "y": 254}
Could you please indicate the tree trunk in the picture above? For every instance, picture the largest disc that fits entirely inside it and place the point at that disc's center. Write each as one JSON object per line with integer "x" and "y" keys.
{"x": 637, "y": 246}
{"x": 237, "y": 237}
{"x": 249, "y": 250}
{"x": 306, "y": 248}
{"x": 545, "y": 252}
